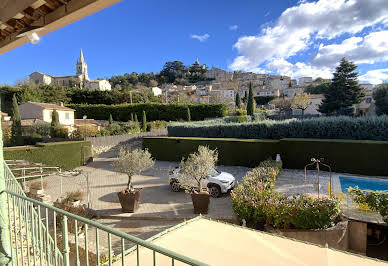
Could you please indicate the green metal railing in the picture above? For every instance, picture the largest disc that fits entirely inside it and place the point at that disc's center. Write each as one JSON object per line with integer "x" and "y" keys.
{"x": 36, "y": 240}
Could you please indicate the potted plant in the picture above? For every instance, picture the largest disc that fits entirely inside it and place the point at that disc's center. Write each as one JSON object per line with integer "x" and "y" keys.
{"x": 193, "y": 172}
{"x": 37, "y": 188}
{"x": 73, "y": 199}
{"x": 132, "y": 163}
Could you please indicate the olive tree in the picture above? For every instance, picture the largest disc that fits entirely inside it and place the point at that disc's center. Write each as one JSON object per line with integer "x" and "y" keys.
{"x": 133, "y": 163}
{"x": 197, "y": 167}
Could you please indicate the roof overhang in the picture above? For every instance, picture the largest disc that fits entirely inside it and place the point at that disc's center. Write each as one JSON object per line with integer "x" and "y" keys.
{"x": 17, "y": 15}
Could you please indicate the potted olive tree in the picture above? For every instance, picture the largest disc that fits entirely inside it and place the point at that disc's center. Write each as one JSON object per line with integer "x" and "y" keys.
{"x": 193, "y": 172}
{"x": 132, "y": 163}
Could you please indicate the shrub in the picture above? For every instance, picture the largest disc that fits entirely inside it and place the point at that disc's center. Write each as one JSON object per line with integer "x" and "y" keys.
{"x": 144, "y": 122}
{"x": 362, "y": 128}
{"x": 240, "y": 112}
{"x": 83, "y": 131}
{"x": 376, "y": 200}
{"x": 155, "y": 111}
{"x": 255, "y": 200}
{"x": 41, "y": 127}
{"x": 156, "y": 125}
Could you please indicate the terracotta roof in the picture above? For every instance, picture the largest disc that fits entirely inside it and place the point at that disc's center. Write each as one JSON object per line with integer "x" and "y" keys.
{"x": 51, "y": 106}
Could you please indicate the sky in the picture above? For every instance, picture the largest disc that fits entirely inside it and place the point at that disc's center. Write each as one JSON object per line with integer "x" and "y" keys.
{"x": 286, "y": 37}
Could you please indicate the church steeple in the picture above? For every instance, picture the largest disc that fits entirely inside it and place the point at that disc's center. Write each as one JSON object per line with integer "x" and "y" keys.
{"x": 82, "y": 68}
{"x": 81, "y": 57}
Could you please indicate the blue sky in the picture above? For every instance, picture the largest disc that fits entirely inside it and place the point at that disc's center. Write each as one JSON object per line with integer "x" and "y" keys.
{"x": 295, "y": 38}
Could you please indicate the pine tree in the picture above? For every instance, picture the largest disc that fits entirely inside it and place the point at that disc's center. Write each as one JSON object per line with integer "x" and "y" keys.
{"x": 144, "y": 122}
{"x": 16, "y": 130}
{"x": 188, "y": 115}
{"x": 344, "y": 90}
{"x": 132, "y": 119}
{"x": 55, "y": 125}
{"x": 110, "y": 119}
{"x": 238, "y": 101}
{"x": 251, "y": 101}
{"x": 136, "y": 118}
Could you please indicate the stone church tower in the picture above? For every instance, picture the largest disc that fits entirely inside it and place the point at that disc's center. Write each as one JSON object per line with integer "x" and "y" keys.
{"x": 82, "y": 69}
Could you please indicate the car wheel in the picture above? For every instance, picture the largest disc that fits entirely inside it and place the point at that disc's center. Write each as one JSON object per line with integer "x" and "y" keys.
{"x": 215, "y": 191}
{"x": 175, "y": 186}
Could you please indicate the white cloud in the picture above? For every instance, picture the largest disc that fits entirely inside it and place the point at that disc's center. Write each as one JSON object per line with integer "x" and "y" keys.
{"x": 233, "y": 27}
{"x": 299, "y": 69}
{"x": 368, "y": 50}
{"x": 376, "y": 76}
{"x": 200, "y": 38}
{"x": 299, "y": 27}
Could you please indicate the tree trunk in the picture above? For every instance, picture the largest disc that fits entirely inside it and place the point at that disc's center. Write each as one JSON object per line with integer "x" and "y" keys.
{"x": 129, "y": 185}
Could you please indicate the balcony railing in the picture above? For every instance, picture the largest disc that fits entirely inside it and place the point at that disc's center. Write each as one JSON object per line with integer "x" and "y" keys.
{"x": 36, "y": 238}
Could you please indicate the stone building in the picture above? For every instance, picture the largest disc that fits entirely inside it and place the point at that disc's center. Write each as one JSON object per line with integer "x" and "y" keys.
{"x": 81, "y": 78}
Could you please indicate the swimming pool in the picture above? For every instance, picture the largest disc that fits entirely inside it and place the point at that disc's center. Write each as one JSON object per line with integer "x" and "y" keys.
{"x": 363, "y": 183}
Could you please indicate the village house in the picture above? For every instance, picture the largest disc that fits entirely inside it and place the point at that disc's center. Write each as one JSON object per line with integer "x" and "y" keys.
{"x": 35, "y": 111}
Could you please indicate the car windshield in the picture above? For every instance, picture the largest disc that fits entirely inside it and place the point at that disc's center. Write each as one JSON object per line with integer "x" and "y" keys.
{"x": 214, "y": 173}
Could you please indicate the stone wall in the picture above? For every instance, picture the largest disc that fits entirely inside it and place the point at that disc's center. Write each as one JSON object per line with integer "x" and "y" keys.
{"x": 335, "y": 237}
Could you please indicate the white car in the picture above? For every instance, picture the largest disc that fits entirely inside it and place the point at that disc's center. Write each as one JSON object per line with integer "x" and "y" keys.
{"x": 218, "y": 182}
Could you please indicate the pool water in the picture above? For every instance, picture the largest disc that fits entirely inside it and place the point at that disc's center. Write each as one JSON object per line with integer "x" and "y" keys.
{"x": 363, "y": 183}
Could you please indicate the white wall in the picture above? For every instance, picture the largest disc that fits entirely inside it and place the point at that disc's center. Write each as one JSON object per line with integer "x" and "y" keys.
{"x": 66, "y": 118}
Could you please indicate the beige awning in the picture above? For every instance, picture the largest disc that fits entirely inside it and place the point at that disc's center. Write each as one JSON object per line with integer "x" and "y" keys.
{"x": 217, "y": 243}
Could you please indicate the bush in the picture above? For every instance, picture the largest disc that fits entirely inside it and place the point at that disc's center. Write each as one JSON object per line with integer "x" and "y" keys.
{"x": 362, "y": 128}
{"x": 155, "y": 111}
{"x": 156, "y": 125}
{"x": 41, "y": 127}
{"x": 255, "y": 200}
{"x": 376, "y": 200}
{"x": 68, "y": 155}
{"x": 240, "y": 112}
{"x": 83, "y": 131}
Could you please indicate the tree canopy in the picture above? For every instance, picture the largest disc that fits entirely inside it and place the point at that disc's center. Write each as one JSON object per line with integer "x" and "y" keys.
{"x": 344, "y": 90}
{"x": 381, "y": 99}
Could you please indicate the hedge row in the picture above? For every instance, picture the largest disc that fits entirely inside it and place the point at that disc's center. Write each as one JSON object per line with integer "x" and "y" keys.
{"x": 363, "y": 128}
{"x": 346, "y": 156}
{"x": 68, "y": 155}
{"x": 154, "y": 111}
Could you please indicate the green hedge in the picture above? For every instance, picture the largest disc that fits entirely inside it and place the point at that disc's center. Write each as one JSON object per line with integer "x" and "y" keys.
{"x": 154, "y": 111}
{"x": 68, "y": 154}
{"x": 346, "y": 156}
{"x": 364, "y": 128}
{"x": 230, "y": 151}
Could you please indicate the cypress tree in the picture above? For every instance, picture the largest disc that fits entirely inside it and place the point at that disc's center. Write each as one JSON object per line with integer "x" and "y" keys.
{"x": 136, "y": 118}
{"x": 251, "y": 101}
{"x": 16, "y": 130}
{"x": 132, "y": 119}
{"x": 144, "y": 122}
{"x": 344, "y": 90}
{"x": 55, "y": 125}
{"x": 188, "y": 115}
{"x": 110, "y": 119}
{"x": 238, "y": 100}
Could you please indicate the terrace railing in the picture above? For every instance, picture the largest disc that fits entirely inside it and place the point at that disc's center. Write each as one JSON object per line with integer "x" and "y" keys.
{"x": 36, "y": 238}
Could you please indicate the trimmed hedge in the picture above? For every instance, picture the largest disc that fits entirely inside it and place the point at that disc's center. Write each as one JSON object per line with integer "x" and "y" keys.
{"x": 363, "y": 128}
{"x": 230, "y": 151}
{"x": 68, "y": 154}
{"x": 154, "y": 111}
{"x": 346, "y": 156}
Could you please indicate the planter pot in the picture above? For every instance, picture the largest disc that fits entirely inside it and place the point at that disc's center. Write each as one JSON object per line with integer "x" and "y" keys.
{"x": 76, "y": 203}
{"x": 200, "y": 202}
{"x": 129, "y": 201}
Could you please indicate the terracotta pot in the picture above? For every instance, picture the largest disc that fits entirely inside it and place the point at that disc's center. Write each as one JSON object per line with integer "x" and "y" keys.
{"x": 129, "y": 201}
{"x": 200, "y": 202}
